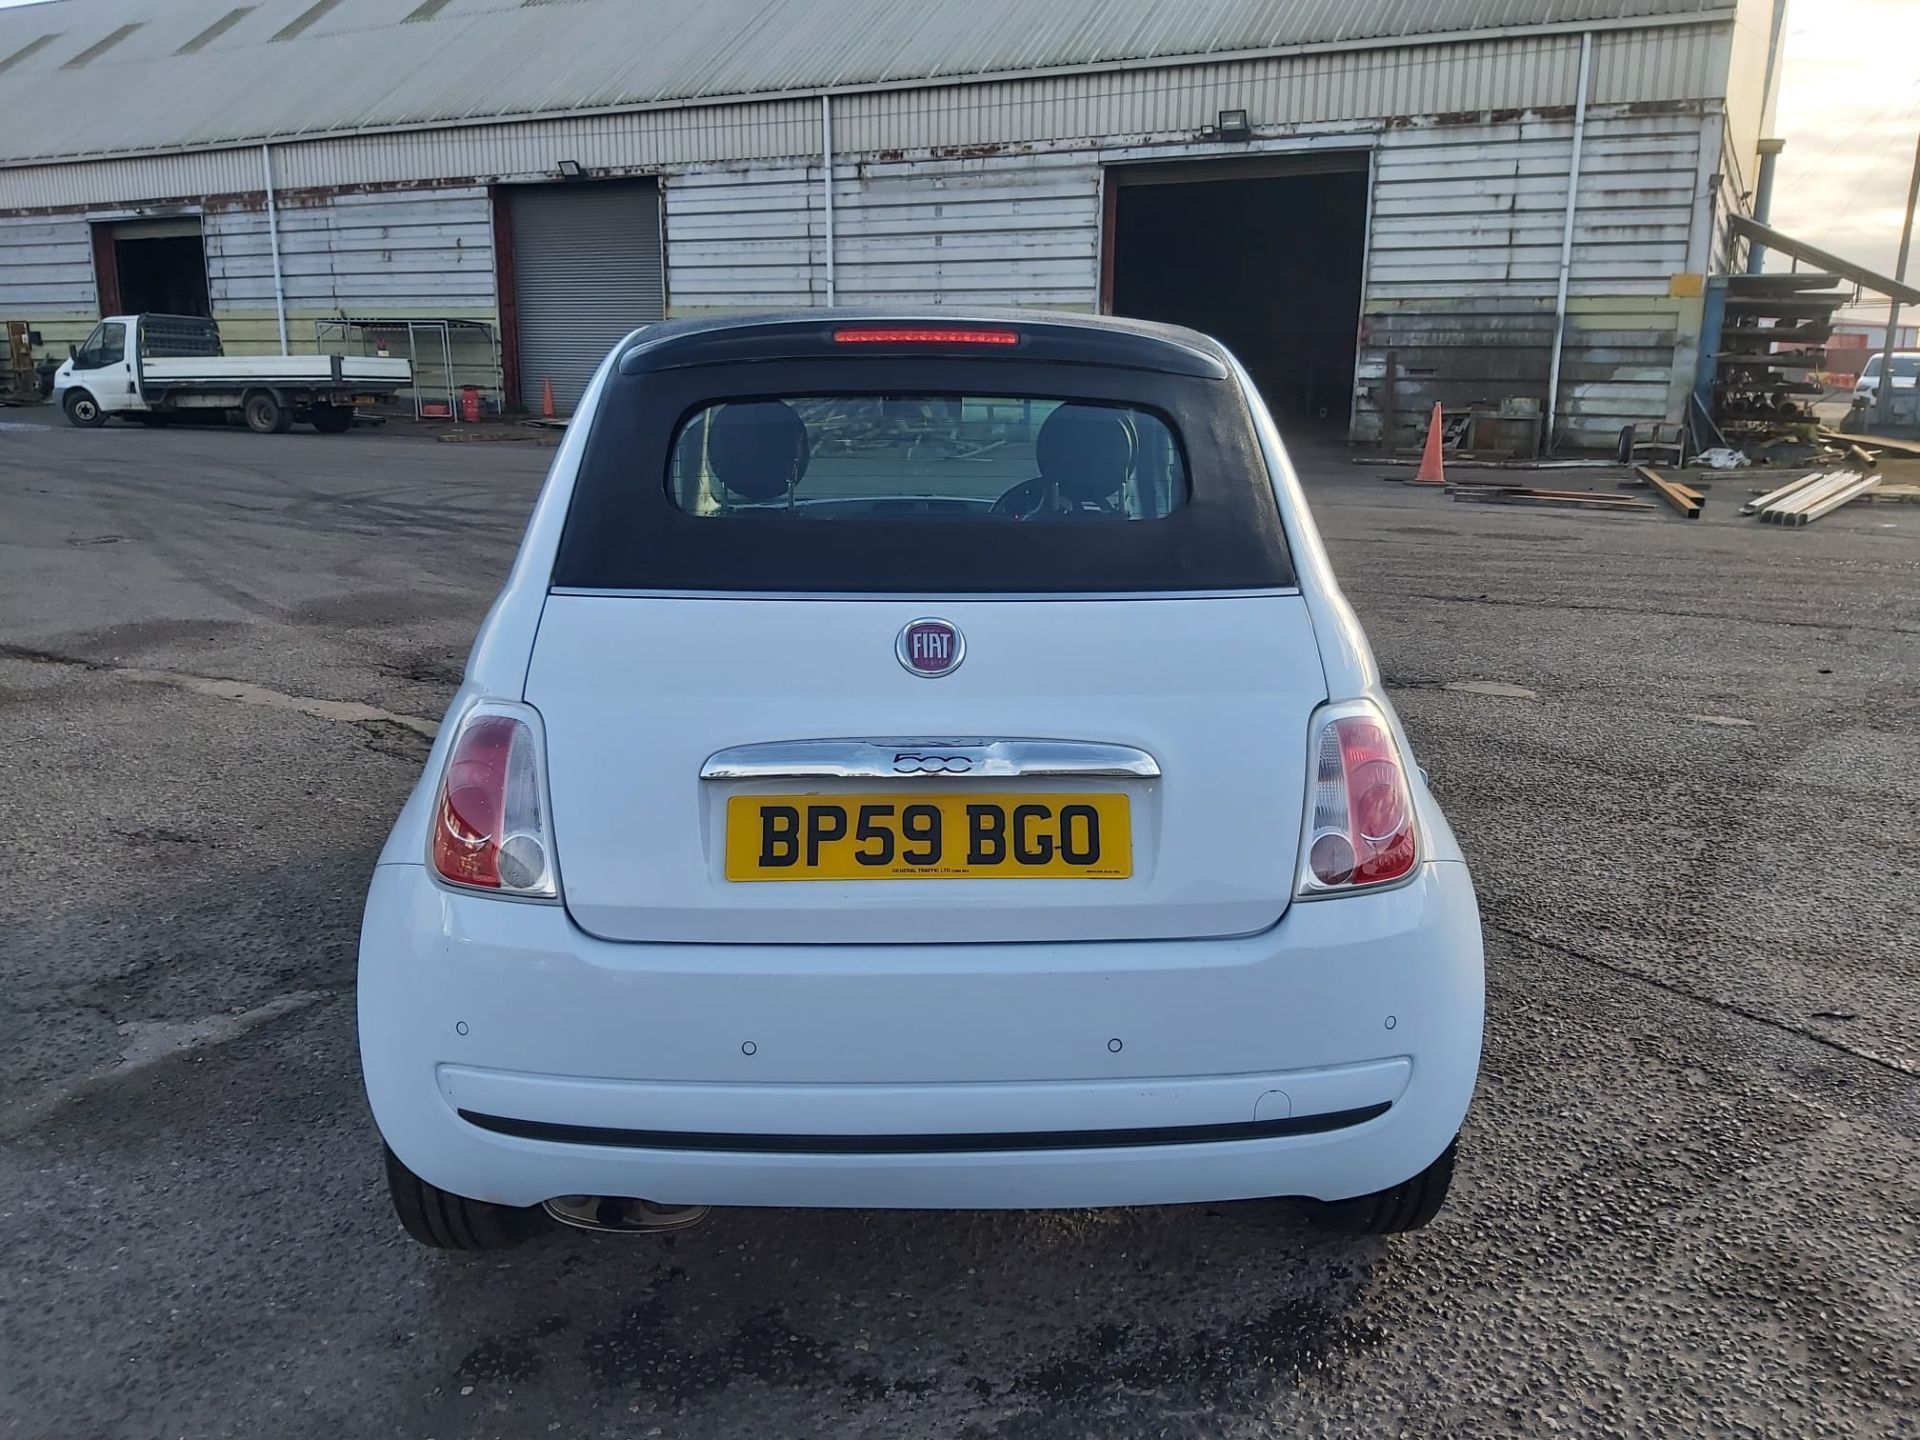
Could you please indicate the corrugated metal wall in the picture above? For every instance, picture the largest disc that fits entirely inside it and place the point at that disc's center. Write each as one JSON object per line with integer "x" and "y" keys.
{"x": 1730, "y": 251}
{"x": 1300, "y": 90}
{"x": 1464, "y": 263}
{"x": 420, "y": 254}
{"x": 745, "y": 237}
{"x": 1001, "y": 230}
{"x": 1483, "y": 207}
{"x": 1018, "y": 229}
{"x": 46, "y": 278}
{"x": 1749, "y": 102}
{"x": 397, "y": 253}
{"x": 46, "y": 266}
{"x": 1014, "y": 229}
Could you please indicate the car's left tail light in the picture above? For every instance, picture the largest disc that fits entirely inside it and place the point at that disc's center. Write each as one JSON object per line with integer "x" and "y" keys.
{"x": 490, "y": 829}
{"x": 1360, "y": 830}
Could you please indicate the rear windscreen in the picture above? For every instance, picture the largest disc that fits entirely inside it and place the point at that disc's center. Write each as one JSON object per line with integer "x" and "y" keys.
{"x": 926, "y": 457}
{"x": 943, "y": 475}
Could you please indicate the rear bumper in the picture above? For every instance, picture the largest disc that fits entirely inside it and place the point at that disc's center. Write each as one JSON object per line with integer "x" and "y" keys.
{"x": 510, "y": 1057}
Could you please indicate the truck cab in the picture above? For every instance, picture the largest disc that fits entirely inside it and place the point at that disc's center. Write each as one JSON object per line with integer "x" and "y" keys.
{"x": 102, "y": 377}
{"x": 97, "y": 379}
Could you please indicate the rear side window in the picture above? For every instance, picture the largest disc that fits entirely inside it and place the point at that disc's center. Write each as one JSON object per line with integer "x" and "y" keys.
{"x": 926, "y": 458}
{"x": 936, "y": 475}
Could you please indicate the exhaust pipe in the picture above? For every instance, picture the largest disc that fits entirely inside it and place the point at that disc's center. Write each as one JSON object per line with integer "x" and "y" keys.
{"x": 620, "y": 1215}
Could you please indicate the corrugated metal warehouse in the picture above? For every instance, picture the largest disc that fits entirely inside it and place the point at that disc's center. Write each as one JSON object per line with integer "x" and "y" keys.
{"x": 1379, "y": 203}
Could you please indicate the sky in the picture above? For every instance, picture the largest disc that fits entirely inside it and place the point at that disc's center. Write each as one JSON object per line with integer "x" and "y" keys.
{"x": 1850, "y": 113}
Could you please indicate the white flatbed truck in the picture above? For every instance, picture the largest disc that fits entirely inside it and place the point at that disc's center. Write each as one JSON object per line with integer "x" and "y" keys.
{"x": 155, "y": 368}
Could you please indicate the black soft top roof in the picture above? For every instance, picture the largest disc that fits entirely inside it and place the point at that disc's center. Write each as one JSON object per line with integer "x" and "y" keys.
{"x": 623, "y": 531}
{"x": 1045, "y": 337}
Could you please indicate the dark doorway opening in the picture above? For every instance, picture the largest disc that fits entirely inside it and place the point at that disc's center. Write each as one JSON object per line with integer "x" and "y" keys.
{"x": 1270, "y": 264}
{"x": 162, "y": 274}
{"x": 166, "y": 276}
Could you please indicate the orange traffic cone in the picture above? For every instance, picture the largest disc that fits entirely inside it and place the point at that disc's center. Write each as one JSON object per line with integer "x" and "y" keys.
{"x": 1432, "y": 471}
{"x": 546, "y": 402}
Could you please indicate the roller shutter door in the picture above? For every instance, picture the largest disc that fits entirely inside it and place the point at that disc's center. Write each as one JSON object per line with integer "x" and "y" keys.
{"x": 586, "y": 270}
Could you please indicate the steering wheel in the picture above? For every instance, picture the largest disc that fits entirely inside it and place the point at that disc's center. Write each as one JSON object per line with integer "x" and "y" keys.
{"x": 1023, "y": 500}
{"x": 1030, "y": 497}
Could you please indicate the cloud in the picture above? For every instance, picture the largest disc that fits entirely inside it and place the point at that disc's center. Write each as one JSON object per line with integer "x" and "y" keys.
{"x": 1850, "y": 114}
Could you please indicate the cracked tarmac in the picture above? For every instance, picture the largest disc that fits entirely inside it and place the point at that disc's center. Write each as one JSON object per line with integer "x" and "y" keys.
{"x": 1687, "y": 1193}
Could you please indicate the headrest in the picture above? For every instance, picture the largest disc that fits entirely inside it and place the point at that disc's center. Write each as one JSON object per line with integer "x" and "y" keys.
{"x": 1086, "y": 451}
{"x": 758, "y": 449}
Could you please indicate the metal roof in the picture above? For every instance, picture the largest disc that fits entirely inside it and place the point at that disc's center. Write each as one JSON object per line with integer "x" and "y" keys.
{"x": 100, "y": 77}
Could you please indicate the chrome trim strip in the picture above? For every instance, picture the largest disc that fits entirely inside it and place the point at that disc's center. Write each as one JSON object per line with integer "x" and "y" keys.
{"x": 922, "y": 759}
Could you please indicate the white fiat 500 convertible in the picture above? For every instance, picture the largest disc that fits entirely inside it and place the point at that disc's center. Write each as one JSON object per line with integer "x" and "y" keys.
{"x": 917, "y": 762}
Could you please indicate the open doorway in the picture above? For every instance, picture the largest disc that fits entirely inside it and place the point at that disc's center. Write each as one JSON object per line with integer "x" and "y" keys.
{"x": 151, "y": 267}
{"x": 1265, "y": 254}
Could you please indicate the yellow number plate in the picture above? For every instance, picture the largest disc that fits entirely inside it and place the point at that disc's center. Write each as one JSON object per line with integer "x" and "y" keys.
{"x": 922, "y": 836}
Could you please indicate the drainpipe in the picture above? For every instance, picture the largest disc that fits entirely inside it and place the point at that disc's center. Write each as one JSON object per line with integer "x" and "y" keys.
{"x": 1566, "y": 238}
{"x": 1763, "y": 201}
{"x": 273, "y": 244}
{"x": 826, "y": 167}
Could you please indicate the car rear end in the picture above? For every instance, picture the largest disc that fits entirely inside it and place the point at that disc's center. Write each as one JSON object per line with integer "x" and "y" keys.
{"x": 920, "y": 763}
{"x": 1906, "y": 374}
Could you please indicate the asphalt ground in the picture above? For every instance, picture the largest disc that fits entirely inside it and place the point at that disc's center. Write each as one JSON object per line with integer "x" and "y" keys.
{"x": 1686, "y": 1201}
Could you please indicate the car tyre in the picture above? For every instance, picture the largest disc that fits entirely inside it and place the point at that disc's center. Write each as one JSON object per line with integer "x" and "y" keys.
{"x": 265, "y": 415}
{"x": 331, "y": 419}
{"x": 1410, "y": 1205}
{"x": 446, "y": 1221}
{"x": 83, "y": 410}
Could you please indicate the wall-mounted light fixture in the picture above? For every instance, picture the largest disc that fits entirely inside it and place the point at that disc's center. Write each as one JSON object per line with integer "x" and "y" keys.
{"x": 1233, "y": 125}
{"x": 572, "y": 170}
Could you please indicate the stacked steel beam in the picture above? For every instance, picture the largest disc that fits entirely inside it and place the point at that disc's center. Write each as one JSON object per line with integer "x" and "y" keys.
{"x": 1759, "y": 388}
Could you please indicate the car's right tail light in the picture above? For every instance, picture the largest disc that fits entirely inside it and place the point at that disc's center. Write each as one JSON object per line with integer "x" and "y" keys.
{"x": 490, "y": 828}
{"x": 1360, "y": 829}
